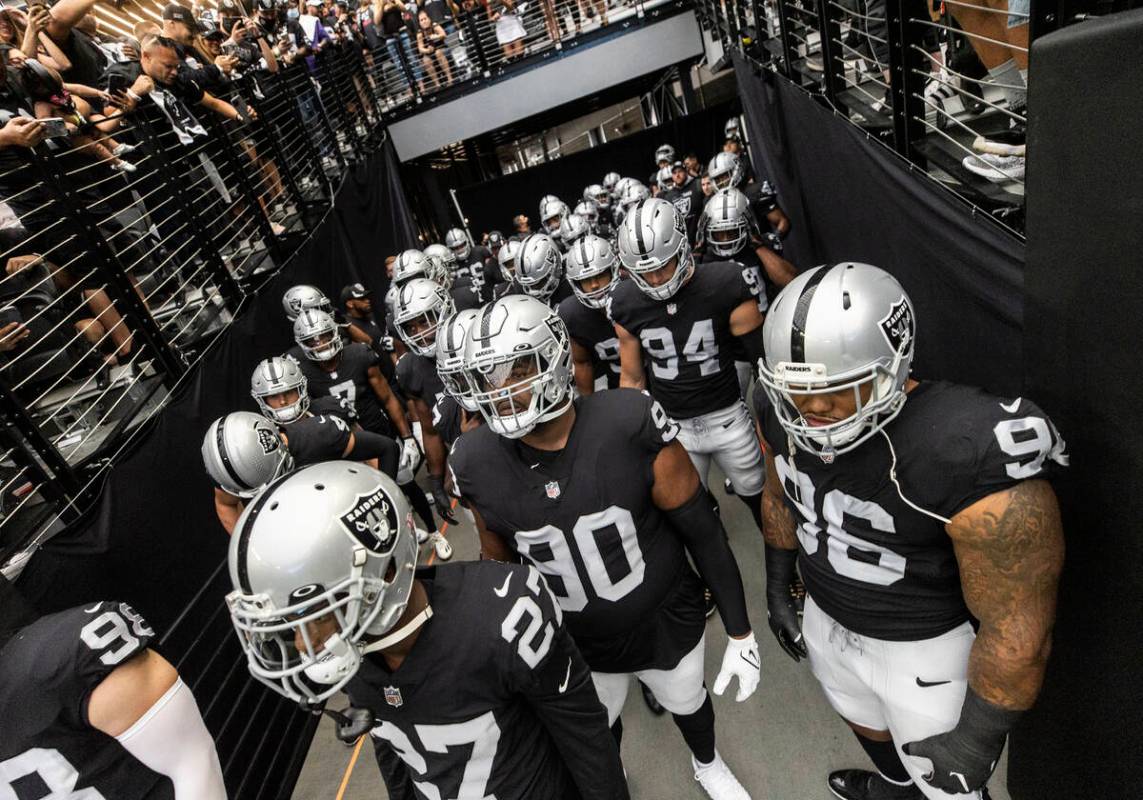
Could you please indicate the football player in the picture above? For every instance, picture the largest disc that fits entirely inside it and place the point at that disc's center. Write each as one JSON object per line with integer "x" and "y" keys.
{"x": 685, "y": 193}
{"x": 475, "y": 264}
{"x": 465, "y": 670}
{"x": 727, "y": 170}
{"x": 455, "y": 411}
{"x": 599, "y": 496}
{"x": 421, "y": 307}
{"x": 540, "y": 270}
{"x": 688, "y": 323}
{"x": 552, "y": 213}
{"x": 352, "y": 373}
{"x": 301, "y": 297}
{"x": 507, "y": 261}
{"x": 88, "y": 710}
{"x": 242, "y": 452}
{"x": 912, "y": 508}
{"x": 664, "y": 157}
{"x": 593, "y": 271}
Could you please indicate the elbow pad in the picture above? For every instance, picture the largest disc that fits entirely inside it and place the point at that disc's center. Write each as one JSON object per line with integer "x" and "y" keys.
{"x": 171, "y": 739}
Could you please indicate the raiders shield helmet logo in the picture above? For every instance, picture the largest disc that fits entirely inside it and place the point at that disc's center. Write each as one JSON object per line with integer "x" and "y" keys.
{"x": 268, "y": 440}
{"x": 897, "y": 325}
{"x": 372, "y": 521}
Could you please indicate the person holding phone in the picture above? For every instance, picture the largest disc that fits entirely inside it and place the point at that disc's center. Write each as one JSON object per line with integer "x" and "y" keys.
{"x": 24, "y": 32}
{"x": 431, "y": 46}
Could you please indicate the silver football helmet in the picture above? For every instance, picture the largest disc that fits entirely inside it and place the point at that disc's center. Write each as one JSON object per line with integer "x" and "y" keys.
{"x": 552, "y": 213}
{"x": 599, "y": 195}
{"x": 444, "y": 263}
{"x": 413, "y": 264}
{"x": 591, "y": 256}
{"x": 653, "y": 237}
{"x": 634, "y": 192}
{"x": 298, "y": 298}
{"x": 664, "y": 153}
{"x": 589, "y": 211}
{"x": 732, "y": 129}
{"x": 574, "y": 227}
{"x": 243, "y": 453}
{"x": 726, "y": 222}
{"x": 664, "y": 179}
{"x": 452, "y": 344}
{"x": 506, "y": 258}
{"x": 329, "y": 550}
{"x": 519, "y": 365}
{"x": 318, "y": 335}
{"x": 278, "y": 375}
{"x": 834, "y": 328}
{"x": 421, "y": 306}
{"x": 609, "y": 181}
{"x": 539, "y": 266}
{"x": 725, "y": 170}
{"x": 457, "y": 241}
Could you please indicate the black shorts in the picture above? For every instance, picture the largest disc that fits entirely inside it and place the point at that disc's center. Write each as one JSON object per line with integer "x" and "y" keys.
{"x": 661, "y": 640}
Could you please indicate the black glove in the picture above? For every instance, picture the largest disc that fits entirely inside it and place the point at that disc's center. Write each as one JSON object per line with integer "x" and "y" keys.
{"x": 781, "y": 612}
{"x": 441, "y": 500}
{"x": 963, "y": 758}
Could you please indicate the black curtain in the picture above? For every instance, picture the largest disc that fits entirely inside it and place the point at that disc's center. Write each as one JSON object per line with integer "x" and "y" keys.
{"x": 851, "y": 199}
{"x": 154, "y": 540}
{"x": 492, "y": 205}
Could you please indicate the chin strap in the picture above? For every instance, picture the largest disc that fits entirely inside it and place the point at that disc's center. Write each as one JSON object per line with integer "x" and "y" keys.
{"x": 402, "y": 633}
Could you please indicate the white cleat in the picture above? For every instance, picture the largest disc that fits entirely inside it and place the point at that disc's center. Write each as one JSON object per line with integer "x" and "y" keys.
{"x": 441, "y": 546}
{"x": 718, "y": 781}
{"x": 422, "y": 535}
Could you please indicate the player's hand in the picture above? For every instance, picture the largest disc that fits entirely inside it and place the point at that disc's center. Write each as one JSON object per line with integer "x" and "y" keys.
{"x": 781, "y": 612}
{"x": 410, "y": 460}
{"x": 777, "y": 217}
{"x": 441, "y": 500}
{"x": 740, "y": 661}
{"x": 963, "y": 759}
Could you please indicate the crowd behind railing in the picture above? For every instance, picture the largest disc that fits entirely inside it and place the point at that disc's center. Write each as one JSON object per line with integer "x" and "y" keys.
{"x": 942, "y": 83}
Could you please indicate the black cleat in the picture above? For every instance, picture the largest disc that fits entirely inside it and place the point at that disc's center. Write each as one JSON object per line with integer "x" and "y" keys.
{"x": 860, "y": 784}
{"x": 652, "y": 703}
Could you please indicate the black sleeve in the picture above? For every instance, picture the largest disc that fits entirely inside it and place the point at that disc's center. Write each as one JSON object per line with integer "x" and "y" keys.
{"x": 697, "y": 524}
{"x": 368, "y": 445}
{"x": 752, "y": 345}
{"x": 556, "y": 682}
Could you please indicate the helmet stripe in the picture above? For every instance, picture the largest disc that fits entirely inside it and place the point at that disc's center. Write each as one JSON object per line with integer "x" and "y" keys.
{"x": 247, "y": 527}
{"x": 639, "y": 228}
{"x": 801, "y": 311}
{"x": 224, "y": 456}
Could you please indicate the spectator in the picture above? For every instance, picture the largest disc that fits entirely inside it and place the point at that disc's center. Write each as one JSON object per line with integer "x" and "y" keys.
{"x": 431, "y": 46}
{"x": 510, "y": 31}
{"x": 520, "y": 227}
{"x": 707, "y": 186}
{"x": 73, "y": 28}
{"x": 389, "y": 16}
{"x": 25, "y": 34}
{"x": 694, "y": 168}
{"x": 473, "y": 20}
{"x": 180, "y": 26}
{"x": 175, "y": 91}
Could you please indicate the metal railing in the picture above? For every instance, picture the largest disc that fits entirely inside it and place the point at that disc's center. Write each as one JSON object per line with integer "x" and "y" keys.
{"x": 130, "y": 244}
{"x": 913, "y": 75}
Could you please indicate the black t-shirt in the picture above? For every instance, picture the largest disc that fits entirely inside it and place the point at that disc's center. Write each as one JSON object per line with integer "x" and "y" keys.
{"x": 87, "y": 61}
{"x": 584, "y": 516}
{"x": 872, "y": 562}
{"x": 687, "y": 339}
{"x": 392, "y": 21}
{"x": 464, "y": 296}
{"x": 592, "y": 330}
{"x": 447, "y": 419}
{"x": 349, "y": 381}
{"x": 689, "y": 201}
{"x": 417, "y": 377}
{"x": 47, "y": 673}
{"x": 437, "y": 10}
{"x": 493, "y": 699}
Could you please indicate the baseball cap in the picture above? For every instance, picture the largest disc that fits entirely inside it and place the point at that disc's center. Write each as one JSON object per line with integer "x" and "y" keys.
{"x": 354, "y": 291}
{"x": 176, "y": 13}
{"x": 678, "y": 165}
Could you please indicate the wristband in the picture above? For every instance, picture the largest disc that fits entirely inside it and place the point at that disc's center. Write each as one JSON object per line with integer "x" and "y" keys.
{"x": 134, "y": 96}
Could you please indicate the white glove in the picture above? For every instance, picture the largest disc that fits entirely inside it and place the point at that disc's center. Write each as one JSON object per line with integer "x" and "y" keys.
{"x": 740, "y": 661}
{"x": 410, "y": 461}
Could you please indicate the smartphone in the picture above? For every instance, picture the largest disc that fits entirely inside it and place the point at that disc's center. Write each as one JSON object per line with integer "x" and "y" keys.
{"x": 54, "y": 128}
{"x": 117, "y": 83}
{"x": 10, "y": 314}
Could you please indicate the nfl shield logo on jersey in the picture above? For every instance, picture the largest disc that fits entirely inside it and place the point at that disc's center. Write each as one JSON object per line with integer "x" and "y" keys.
{"x": 393, "y": 696}
{"x": 552, "y": 489}
{"x": 672, "y": 308}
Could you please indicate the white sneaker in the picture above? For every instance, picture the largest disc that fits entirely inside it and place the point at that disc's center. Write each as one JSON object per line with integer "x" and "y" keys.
{"x": 718, "y": 781}
{"x": 441, "y": 546}
{"x": 997, "y": 169}
{"x": 422, "y": 535}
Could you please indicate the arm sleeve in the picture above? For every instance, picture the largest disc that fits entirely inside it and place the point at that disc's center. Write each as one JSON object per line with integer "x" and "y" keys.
{"x": 368, "y": 445}
{"x": 698, "y": 525}
{"x": 111, "y": 635}
{"x": 556, "y": 682}
{"x": 192, "y": 765}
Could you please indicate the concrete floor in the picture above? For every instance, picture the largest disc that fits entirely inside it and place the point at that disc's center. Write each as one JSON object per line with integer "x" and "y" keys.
{"x": 781, "y": 743}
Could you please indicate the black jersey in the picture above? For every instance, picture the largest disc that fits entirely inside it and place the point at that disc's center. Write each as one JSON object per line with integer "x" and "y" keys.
{"x": 447, "y": 419}
{"x": 584, "y": 516}
{"x": 755, "y": 274}
{"x": 563, "y": 291}
{"x": 493, "y": 700}
{"x": 687, "y": 339}
{"x": 505, "y": 288}
{"x": 593, "y": 331}
{"x": 369, "y": 327}
{"x": 763, "y": 199}
{"x": 876, "y": 565}
{"x": 480, "y": 271}
{"x": 465, "y": 295}
{"x": 317, "y": 437}
{"x": 417, "y": 376}
{"x": 349, "y": 381}
{"x": 47, "y": 673}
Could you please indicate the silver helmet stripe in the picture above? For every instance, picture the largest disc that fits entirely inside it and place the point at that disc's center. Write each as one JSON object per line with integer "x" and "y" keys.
{"x": 224, "y": 457}
{"x": 247, "y": 529}
{"x": 801, "y": 311}
{"x": 639, "y": 228}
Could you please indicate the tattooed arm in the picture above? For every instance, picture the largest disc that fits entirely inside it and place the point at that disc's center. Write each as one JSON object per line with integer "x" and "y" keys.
{"x": 779, "y": 530}
{"x": 1010, "y": 547}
